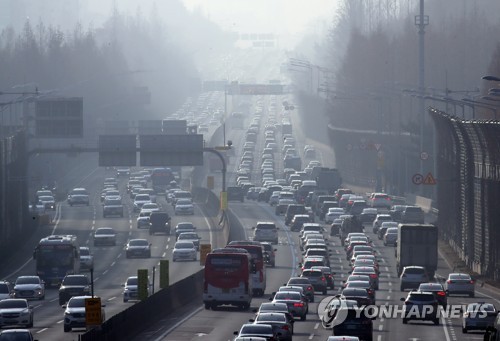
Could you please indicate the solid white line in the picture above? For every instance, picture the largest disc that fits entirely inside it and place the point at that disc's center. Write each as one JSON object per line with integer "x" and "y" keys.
{"x": 112, "y": 264}
{"x": 59, "y": 322}
{"x": 316, "y": 326}
{"x": 112, "y": 298}
{"x": 41, "y": 330}
{"x": 311, "y": 336}
{"x": 379, "y": 338}
{"x": 168, "y": 331}
{"x": 105, "y": 272}
{"x": 55, "y": 299}
{"x": 380, "y": 328}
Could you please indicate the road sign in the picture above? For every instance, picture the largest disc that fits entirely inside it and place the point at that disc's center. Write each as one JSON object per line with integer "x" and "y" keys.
{"x": 164, "y": 273}
{"x": 59, "y": 117}
{"x": 174, "y": 127}
{"x": 142, "y": 284}
{"x": 93, "y": 312}
{"x": 223, "y": 200}
{"x": 210, "y": 182}
{"x": 205, "y": 249}
{"x": 424, "y": 156}
{"x": 417, "y": 179}
{"x": 153, "y": 127}
{"x": 429, "y": 179}
{"x": 171, "y": 150}
{"x": 117, "y": 150}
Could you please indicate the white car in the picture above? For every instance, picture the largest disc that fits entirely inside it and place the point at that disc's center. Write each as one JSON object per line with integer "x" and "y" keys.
{"x": 130, "y": 289}
{"x": 333, "y": 213}
{"x": 47, "y": 201}
{"x": 74, "y": 313}
{"x": 78, "y": 196}
{"x": 150, "y": 207}
{"x": 184, "y": 206}
{"x": 184, "y": 250}
{"x": 460, "y": 283}
{"x": 29, "y": 287}
{"x": 86, "y": 258}
{"x": 190, "y": 237}
{"x": 16, "y": 312}
{"x": 140, "y": 200}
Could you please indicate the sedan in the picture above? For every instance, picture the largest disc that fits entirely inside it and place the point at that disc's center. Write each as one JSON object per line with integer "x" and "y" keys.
{"x": 191, "y": 237}
{"x": 16, "y": 312}
{"x": 16, "y": 334}
{"x": 74, "y": 313}
{"x": 86, "y": 258}
{"x": 479, "y": 316}
{"x": 279, "y": 322}
{"x": 459, "y": 283}
{"x": 297, "y": 304}
{"x": 438, "y": 290}
{"x": 370, "y": 271}
{"x": 251, "y": 330}
{"x": 184, "y": 251}
{"x": 182, "y": 227}
{"x": 130, "y": 289}
{"x": 184, "y": 206}
{"x": 138, "y": 248}
{"x": 29, "y": 287}
{"x": 140, "y": 200}
{"x": 305, "y": 283}
{"x": 105, "y": 236}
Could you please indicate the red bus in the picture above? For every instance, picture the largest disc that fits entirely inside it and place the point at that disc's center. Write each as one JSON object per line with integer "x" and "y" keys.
{"x": 256, "y": 250}
{"x": 227, "y": 278}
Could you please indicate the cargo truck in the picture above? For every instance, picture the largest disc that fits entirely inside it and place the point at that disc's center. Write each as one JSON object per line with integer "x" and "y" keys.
{"x": 326, "y": 178}
{"x": 417, "y": 245}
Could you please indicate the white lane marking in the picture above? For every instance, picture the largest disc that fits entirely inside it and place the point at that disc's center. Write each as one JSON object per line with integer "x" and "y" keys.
{"x": 388, "y": 297}
{"x": 390, "y": 283}
{"x": 59, "y": 322}
{"x": 41, "y": 330}
{"x": 163, "y": 255}
{"x": 119, "y": 255}
{"x": 380, "y": 328}
{"x": 168, "y": 331}
{"x": 168, "y": 239}
{"x": 316, "y": 326}
{"x": 112, "y": 264}
{"x": 96, "y": 279}
{"x": 379, "y": 338}
{"x": 311, "y": 336}
{"x": 55, "y": 299}
{"x": 105, "y": 272}
{"x": 112, "y": 298}
{"x": 386, "y": 268}
{"x": 444, "y": 324}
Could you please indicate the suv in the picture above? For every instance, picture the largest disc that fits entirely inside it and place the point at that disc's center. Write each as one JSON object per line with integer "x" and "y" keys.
{"x": 159, "y": 222}
{"x": 112, "y": 206}
{"x": 266, "y": 232}
{"x": 293, "y": 210}
{"x": 317, "y": 279}
{"x": 270, "y": 254}
{"x": 426, "y": 307}
{"x": 74, "y": 313}
{"x": 73, "y": 285}
{"x": 78, "y": 196}
{"x": 356, "y": 323}
{"x": 413, "y": 276}
{"x": 412, "y": 214}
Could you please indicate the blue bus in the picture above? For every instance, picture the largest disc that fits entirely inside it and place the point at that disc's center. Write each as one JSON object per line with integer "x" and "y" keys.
{"x": 57, "y": 256}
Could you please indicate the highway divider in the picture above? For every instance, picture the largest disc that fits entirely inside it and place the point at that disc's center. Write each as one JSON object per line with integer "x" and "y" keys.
{"x": 132, "y": 321}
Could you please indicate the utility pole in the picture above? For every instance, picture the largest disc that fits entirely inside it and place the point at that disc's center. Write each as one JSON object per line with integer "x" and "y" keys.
{"x": 421, "y": 21}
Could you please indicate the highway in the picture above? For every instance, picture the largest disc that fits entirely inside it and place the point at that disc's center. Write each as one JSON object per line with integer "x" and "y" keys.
{"x": 220, "y": 324}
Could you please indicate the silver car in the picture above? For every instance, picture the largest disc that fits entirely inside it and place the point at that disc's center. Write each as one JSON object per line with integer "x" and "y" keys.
{"x": 412, "y": 277}
{"x": 29, "y": 287}
{"x": 184, "y": 251}
{"x": 74, "y": 313}
{"x": 86, "y": 258}
{"x": 460, "y": 283}
{"x": 16, "y": 312}
{"x": 297, "y": 304}
{"x": 479, "y": 316}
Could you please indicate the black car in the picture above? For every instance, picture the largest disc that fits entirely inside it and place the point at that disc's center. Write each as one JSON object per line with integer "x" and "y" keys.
{"x": 159, "y": 222}
{"x": 438, "y": 291}
{"x": 73, "y": 285}
{"x": 416, "y": 307}
{"x": 355, "y": 324}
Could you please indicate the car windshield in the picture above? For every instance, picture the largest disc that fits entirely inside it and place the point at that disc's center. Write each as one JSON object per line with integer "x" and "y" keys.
{"x": 298, "y": 281}
{"x": 421, "y": 297}
{"x": 79, "y": 192}
{"x": 181, "y": 226}
{"x": 287, "y": 295}
{"x": 113, "y": 202}
{"x": 28, "y": 280}
{"x": 256, "y": 329}
{"x": 355, "y": 292}
{"x": 76, "y": 302}
{"x": 84, "y": 252}
{"x": 480, "y": 307}
{"x": 46, "y": 198}
{"x": 149, "y": 206}
{"x": 75, "y": 280}
{"x": 188, "y": 236}
{"x": 461, "y": 276}
{"x": 138, "y": 242}
{"x": 358, "y": 284}
{"x": 430, "y": 287}
{"x": 312, "y": 273}
{"x": 142, "y": 197}
{"x": 183, "y": 202}
{"x": 105, "y": 231}
{"x": 8, "y": 304}
{"x": 16, "y": 335}
{"x": 132, "y": 281}
{"x": 414, "y": 271}
{"x": 184, "y": 245}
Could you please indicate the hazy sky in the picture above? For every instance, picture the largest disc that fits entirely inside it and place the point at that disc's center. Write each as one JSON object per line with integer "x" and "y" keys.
{"x": 262, "y": 16}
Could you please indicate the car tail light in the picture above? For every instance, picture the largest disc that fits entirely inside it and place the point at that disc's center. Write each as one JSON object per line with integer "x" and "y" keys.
{"x": 285, "y": 327}
{"x": 441, "y": 293}
{"x": 449, "y": 281}
{"x": 298, "y": 304}
{"x": 370, "y": 291}
{"x": 323, "y": 279}
{"x": 471, "y": 281}
{"x": 310, "y": 288}
{"x": 373, "y": 275}
{"x": 330, "y": 276}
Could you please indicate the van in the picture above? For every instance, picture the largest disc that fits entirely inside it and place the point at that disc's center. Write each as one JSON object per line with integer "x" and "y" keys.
{"x": 292, "y": 210}
{"x": 266, "y": 232}
{"x": 412, "y": 214}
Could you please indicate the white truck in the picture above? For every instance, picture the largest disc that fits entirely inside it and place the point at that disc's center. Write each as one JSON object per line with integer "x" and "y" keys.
{"x": 417, "y": 245}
